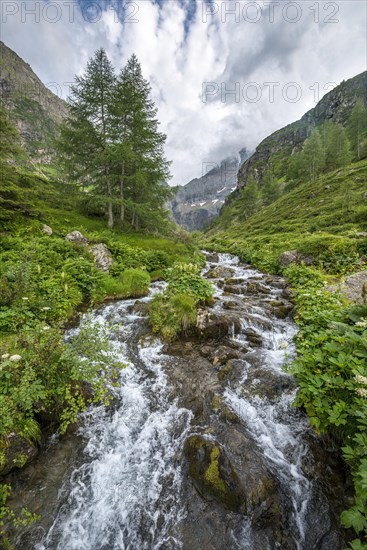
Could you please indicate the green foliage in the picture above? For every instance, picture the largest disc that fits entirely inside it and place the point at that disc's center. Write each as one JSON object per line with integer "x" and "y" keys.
{"x": 134, "y": 283}
{"x": 9, "y": 518}
{"x": 175, "y": 311}
{"x": 172, "y": 314}
{"x": 49, "y": 376}
{"x": 249, "y": 201}
{"x": 331, "y": 371}
{"x": 357, "y": 130}
{"x": 111, "y": 144}
{"x": 186, "y": 279}
{"x": 270, "y": 190}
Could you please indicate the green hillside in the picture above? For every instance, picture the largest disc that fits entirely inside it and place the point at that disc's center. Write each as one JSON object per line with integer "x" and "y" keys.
{"x": 319, "y": 219}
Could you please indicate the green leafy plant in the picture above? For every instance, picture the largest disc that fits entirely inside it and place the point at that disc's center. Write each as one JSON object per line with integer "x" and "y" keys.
{"x": 331, "y": 371}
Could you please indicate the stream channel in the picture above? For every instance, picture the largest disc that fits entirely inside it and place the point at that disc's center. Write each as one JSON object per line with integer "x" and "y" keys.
{"x": 202, "y": 449}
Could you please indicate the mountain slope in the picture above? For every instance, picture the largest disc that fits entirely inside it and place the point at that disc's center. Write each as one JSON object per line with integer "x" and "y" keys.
{"x": 36, "y": 111}
{"x": 198, "y": 202}
{"x": 319, "y": 219}
{"x": 274, "y": 151}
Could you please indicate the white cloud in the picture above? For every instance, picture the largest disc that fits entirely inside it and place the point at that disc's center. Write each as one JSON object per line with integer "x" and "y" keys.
{"x": 219, "y": 50}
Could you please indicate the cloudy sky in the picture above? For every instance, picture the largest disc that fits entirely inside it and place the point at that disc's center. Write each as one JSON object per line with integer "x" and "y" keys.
{"x": 224, "y": 74}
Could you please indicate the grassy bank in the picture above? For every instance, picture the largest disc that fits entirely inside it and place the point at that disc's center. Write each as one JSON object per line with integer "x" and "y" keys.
{"x": 320, "y": 219}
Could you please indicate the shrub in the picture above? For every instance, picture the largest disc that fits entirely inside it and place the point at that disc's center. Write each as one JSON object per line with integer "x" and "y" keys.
{"x": 186, "y": 279}
{"x": 170, "y": 315}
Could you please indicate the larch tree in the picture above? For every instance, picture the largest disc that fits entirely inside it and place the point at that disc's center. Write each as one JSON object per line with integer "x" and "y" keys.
{"x": 357, "y": 128}
{"x": 86, "y": 135}
{"x": 138, "y": 148}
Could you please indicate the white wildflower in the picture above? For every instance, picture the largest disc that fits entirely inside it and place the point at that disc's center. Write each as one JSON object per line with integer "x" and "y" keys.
{"x": 5, "y": 356}
{"x": 361, "y": 379}
{"x": 362, "y": 392}
{"x": 46, "y": 327}
{"x": 25, "y": 298}
{"x": 362, "y": 323}
{"x": 283, "y": 345}
{"x": 46, "y": 308}
{"x": 15, "y": 358}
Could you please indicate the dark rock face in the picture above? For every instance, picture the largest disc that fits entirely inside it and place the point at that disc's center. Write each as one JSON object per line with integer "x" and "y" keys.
{"x": 198, "y": 202}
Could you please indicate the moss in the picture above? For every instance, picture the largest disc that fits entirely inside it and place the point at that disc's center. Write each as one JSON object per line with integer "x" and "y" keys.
{"x": 225, "y": 372}
{"x": 225, "y": 412}
{"x": 212, "y": 474}
{"x": 217, "y": 403}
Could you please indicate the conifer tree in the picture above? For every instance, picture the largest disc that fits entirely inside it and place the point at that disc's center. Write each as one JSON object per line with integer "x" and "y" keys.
{"x": 250, "y": 198}
{"x": 270, "y": 188}
{"x": 357, "y": 129}
{"x": 85, "y": 136}
{"x": 142, "y": 167}
{"x": 337, "y": 146}
{"x": 313, "y": 155}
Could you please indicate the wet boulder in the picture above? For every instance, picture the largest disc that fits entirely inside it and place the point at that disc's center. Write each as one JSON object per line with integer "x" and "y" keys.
{"x": 213, "y": 474}
{"x": 253, "y": 337}
{"x": 221, "y": 355}
{"x": 211, "y": 324}
{"x": 256, "y": 287}
{"x": 17, "y": 453}
{"x": 140, "y": 308}
{"x": 212, "y": 257}
{"x": 281, "y": 309}
{"x": 234, "y": 289}
{"x": 219, "y": 272}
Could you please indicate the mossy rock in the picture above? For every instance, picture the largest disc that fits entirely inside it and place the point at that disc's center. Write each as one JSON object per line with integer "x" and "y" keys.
{"x": 15, "y": 452}
{"x": 225, "y": 372}
{"x": 225, "y": 412}
{"x": 213, "y": 474}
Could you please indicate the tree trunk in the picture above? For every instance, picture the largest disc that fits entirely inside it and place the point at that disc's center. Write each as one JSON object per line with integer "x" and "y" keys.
{"x": 133, "y": 219}
{"x": 110, "y": 209}
{"x": 122, "y": 208}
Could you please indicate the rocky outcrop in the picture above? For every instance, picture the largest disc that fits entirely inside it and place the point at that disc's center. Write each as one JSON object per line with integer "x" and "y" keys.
{"x": 198, "y": 202}
{"x": 294, "y": 257}
{"x": 47, "y": 229}
{"x": 354, "y": 287}
{"x": 102, "y": 256}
